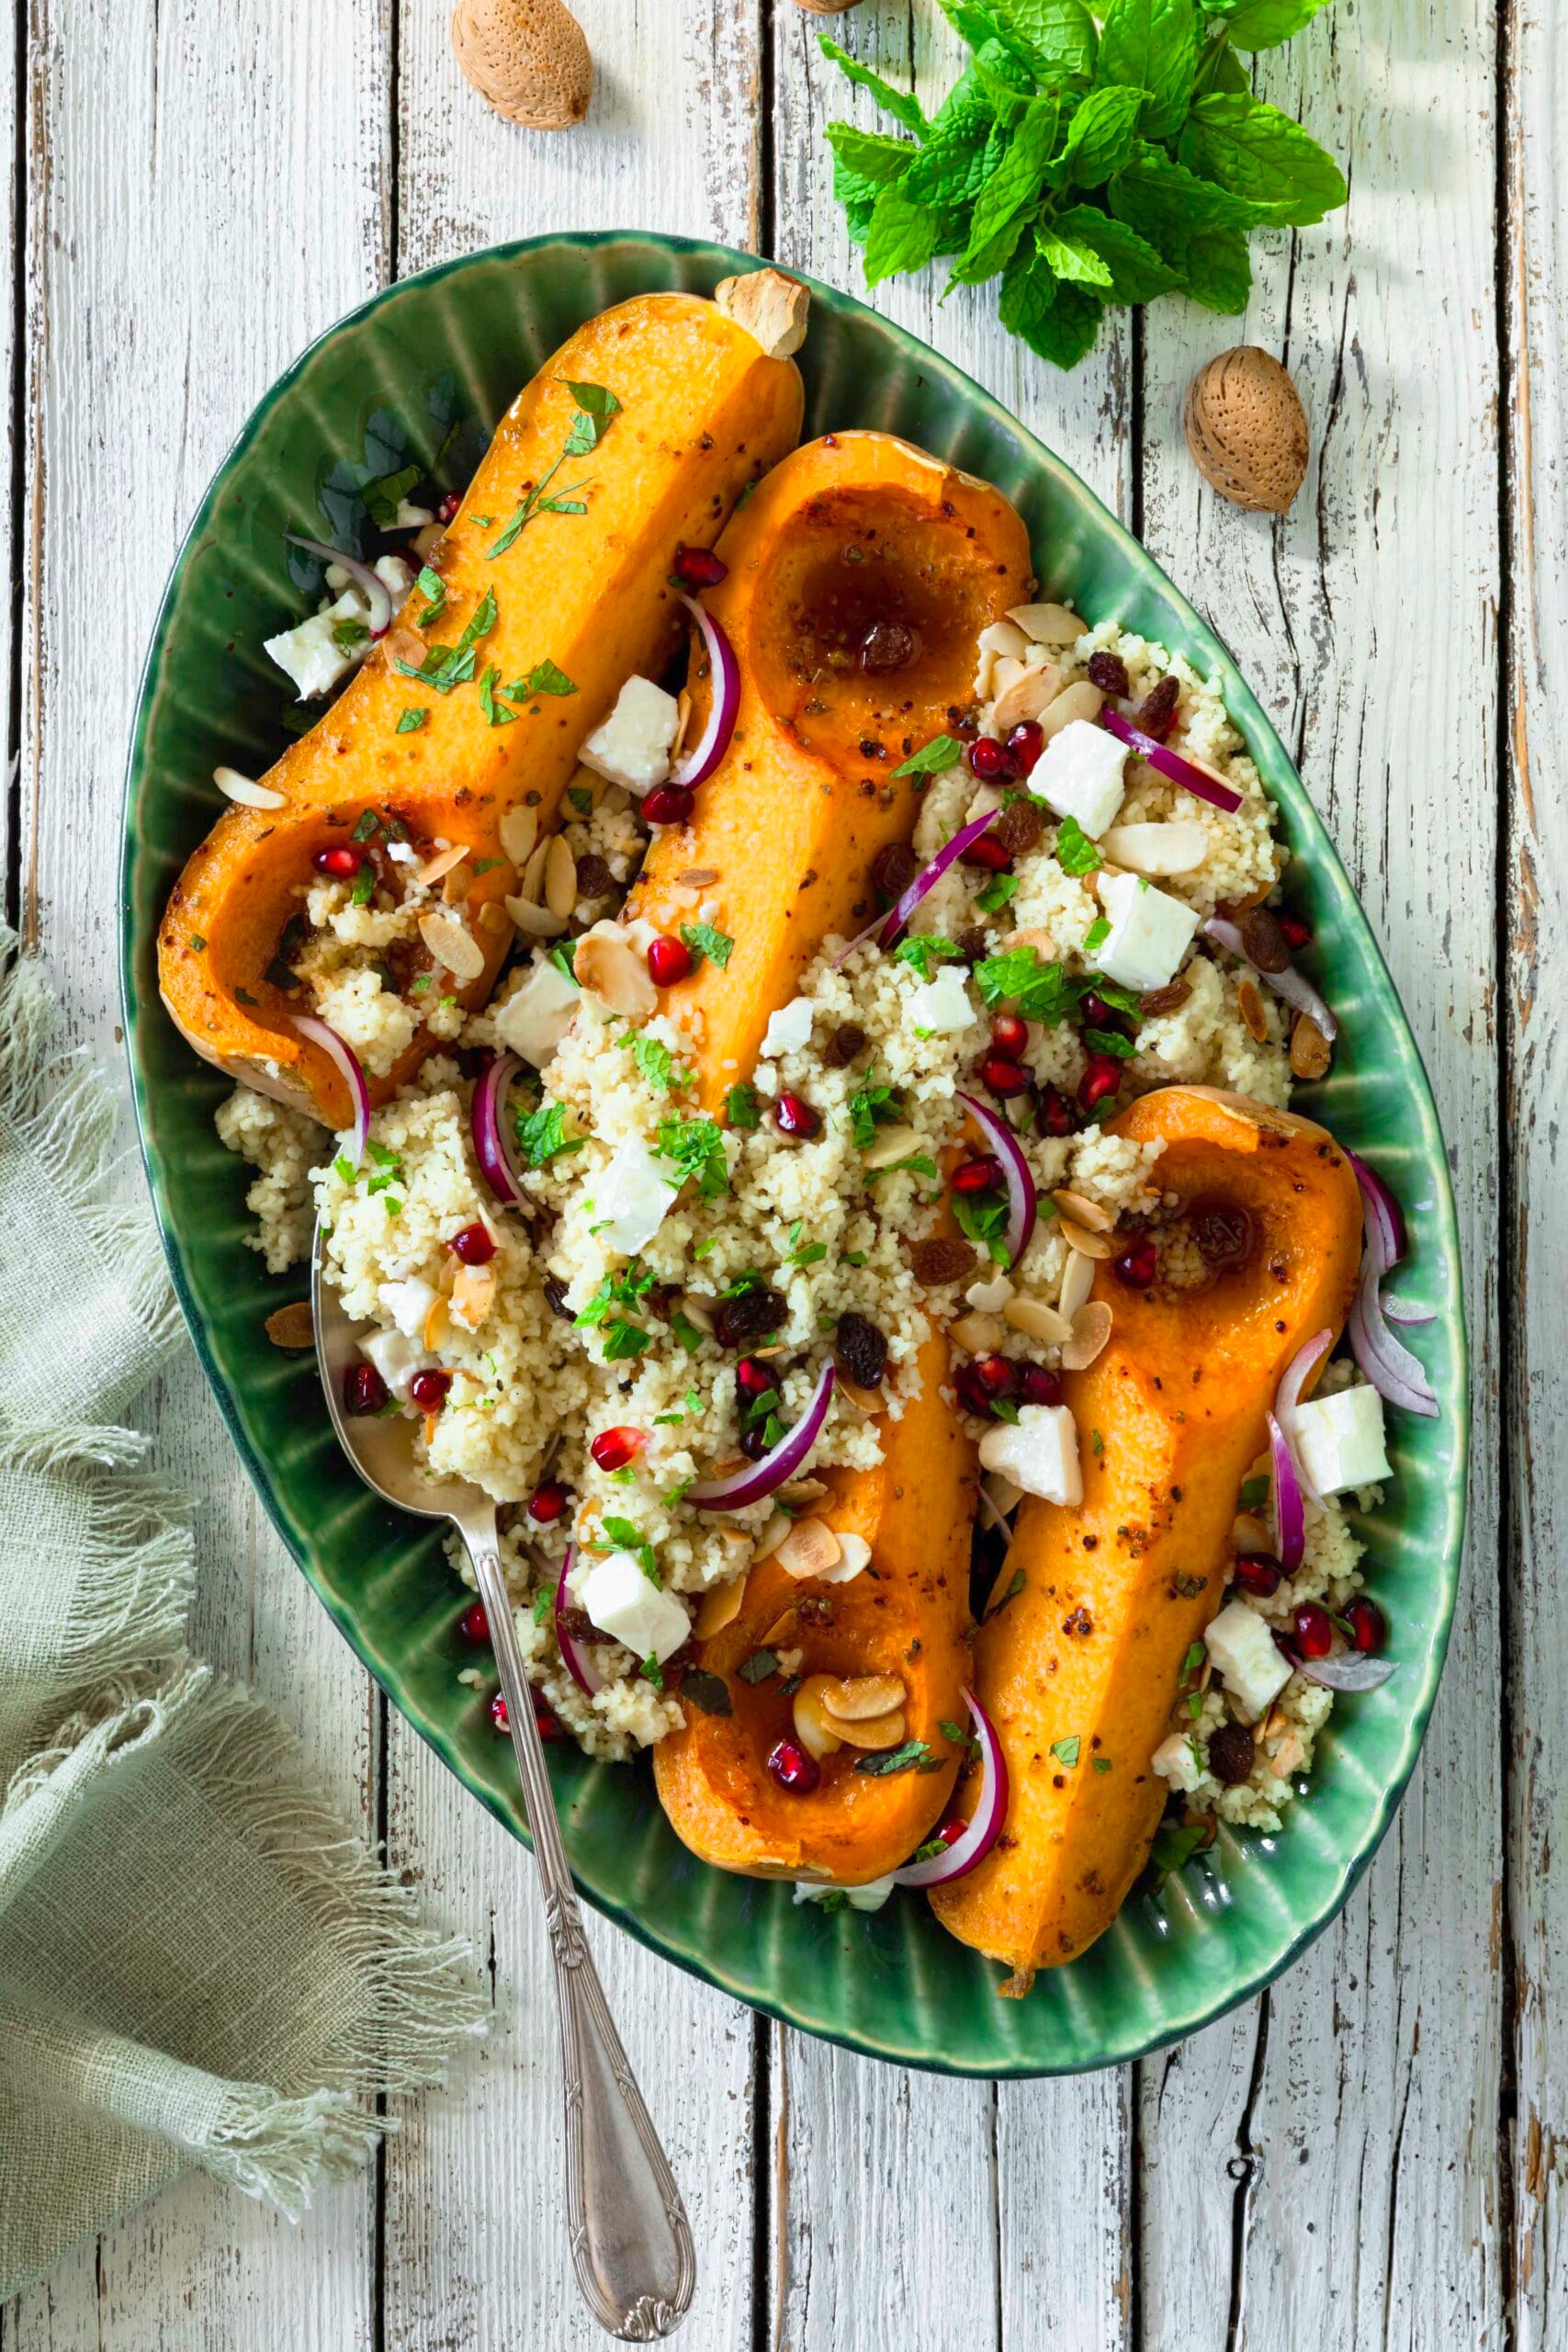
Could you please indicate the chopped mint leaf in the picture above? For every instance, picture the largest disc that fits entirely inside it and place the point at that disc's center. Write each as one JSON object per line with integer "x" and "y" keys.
{"x": 933, "y": 757}
{"x": 1068, "y": 1750}
{"x": 703, "y": 940}
{"x": 499, "y": 714}
{"x": 997, "y": 891}
{"x": 758, "y": 1666}
{"x": 741, "y": 1107}
{"x": 542, "y": 1136}
{"x": 343, "y": 1169}
{"x": 384, "y": 496}
{"x": 1075, "y": 854}
{"x": 697, "y": 1147}
{"x": 1096, "y": 935}
{"x": 411, "y": 721}
{"x": 349, "y": 634}
{"x": 915, "y": 1755}
{"x": 924, "y": 950}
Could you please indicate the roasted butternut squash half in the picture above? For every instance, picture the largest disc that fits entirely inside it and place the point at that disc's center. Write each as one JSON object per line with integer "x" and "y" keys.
{"x": 860, "y": 573}
{"x": 899, "y": 1623}
{"x": 703, "y": 411}
{"x": 1079, "y": 1671}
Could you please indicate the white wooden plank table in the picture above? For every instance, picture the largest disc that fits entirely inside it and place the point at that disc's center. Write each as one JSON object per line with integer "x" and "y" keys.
{"x": 1375, "y": 2154}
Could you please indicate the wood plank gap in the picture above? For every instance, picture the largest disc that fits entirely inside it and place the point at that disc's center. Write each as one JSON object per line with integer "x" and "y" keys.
{"x": 767, "y": 213}
{"x": 11, "y": 826}
{"x": 761, "y": 2179}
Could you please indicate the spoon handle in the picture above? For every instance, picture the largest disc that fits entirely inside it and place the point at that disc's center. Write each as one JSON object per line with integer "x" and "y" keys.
{"x": 631, "y": 2243}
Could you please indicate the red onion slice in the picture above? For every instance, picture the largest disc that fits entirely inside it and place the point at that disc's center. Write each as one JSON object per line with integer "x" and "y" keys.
{"x": 1289, "y": 984}
{"x": 1290, "y": 1512}
{"x": 371, "y": 586}
{"x": 756, "y": 1481}
{"x": 486, "y": 1127}
{"x": 1171, "y": 763}
{"x": 575, "y": 1659}
{"x": 886, "y": 929}
{"x": 1405, "y": 1311}
{"x": 1023, "y": 1195}
{"x": 711, "y": 745}
{"x": 1399, "y": 1377}
{"x": 1287, "y": 1396}
{"x": 985, "y": 1824}
{"x": 1380, "y": 1213}
{"x": 1349, "y": 1671}
{"x": 346, "y": 1061}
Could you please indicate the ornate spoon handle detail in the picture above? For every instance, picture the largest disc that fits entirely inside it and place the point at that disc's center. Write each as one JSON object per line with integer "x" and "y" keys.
{"x": 631, "y": 2243}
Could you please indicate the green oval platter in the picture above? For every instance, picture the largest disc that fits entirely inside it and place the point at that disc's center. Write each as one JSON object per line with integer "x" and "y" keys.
{"x": 423, "y": 371}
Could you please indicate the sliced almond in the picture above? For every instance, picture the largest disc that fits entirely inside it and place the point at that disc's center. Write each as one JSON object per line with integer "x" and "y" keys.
{"x": 402, "y": 643}
{"x": 682, "y": 721}
{"x": 699, "y": 1312}
{"x": 561, "y": 878}
{"x": 720, "y": 1607}
{"x": 1173, "y": 845}
{"x": 858, "y": 1698}
{"x": 452, "y": 946}
{"x": 809, "y": 1548}
{"x": 697, "y": 878}
{"x": 774, "y": 1529}
{"x": 292, "y": 1325}
{"x": 532, "y": 885}
{"x": 872, "y": 1732}
{"x": 1249, "y": 1004}
{"x": 1250, "y": 1534}
{"x": 537, "y": 922}
{"x": 1310, "y": 1050}
{"x": 1077, "y": 1281}
{"x": 1038, "y": 1321}
{"x": 812, "y": 1727}
{"x": 864, "y": 1400}
{"x": 1080, "y": 700}
{"x": 784, "y": 1628}
{"x": 854, "y": 1555}
{"x": 1034, "y": 691}
{"x": 801, "y": 1491}
{"x": 519, "y": 831}
{"x": 891, "y": 1145}
{"x": 442, "y": 863}
{"x": 473, "y": 1294}
{"x": 1088, "y": 1244}
{"x": 1082, "y": 1210}
{"x": 1048, "y": 624}
{"x": 457, "y": 885}
{"x": 735, "y": 1539}
{"x": 979, "y": 1335}
{"x": 614, "y": 973}
{"x": 246, "y": 791}
{"x": 1091, "y": 1328}
{"x": 437, "y": 1325}
{"x": 492, "y": 917}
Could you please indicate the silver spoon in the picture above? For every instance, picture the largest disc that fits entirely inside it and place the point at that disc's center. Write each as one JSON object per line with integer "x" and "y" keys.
{"x": 631, "y": 2243}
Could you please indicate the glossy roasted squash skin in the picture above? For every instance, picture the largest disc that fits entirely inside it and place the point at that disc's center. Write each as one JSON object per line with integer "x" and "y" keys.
{"x": 704, "y": 412}
{"x": 856, "y": 547}
{"x": 905, "y": 1615}
{"x": 1090, "y": 1649}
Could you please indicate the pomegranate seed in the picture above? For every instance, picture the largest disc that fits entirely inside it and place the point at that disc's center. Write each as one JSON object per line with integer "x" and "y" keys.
{"x": 1314, "y": 1630}
{"x": 1038, "y": 1385}
{"x": 982, "y": 1175}
{"x": 1102, "y": 1077}
{"x": 428, "y": 1390}
{"x": 793, "y": 1118}
{"x": 669, "y": 960}
{"x": 448, "y": 506}
{"x": 1026, "y": 742}
{"x": 950, "y": 1832}
{"x": 473, "y": 1625}
{"x": 699, "y": 567}
{"x": 991, "y": 761}
{"x": 793, "y": 1769}
{"x": 1297, "y": 933}
{"x": 475, "y": 1244}
{"x": 1138, "y": 1264}
{"x": 996, "y": 1375}
{"x": 612, "y": 1449}
{"x": 1055, "y": 1116}
{"x": 549, "y": 1726}
{"x": 1004, "y": 1076}
{"x": 363, "y": 1390}
{"x": 987, "y": 852}
{"x": 498, "y": 1713}
{"x": 1096, "y": 1014}
{"x": 670, "y": 804}
{"x": 754, "y": 1379}
{"x": 1010, "y": 1034}
{"x": 1258, "y": 1574}
{"x": 343, "y": 863}
{"x": 971, "y": 1391}
{"x": 547, "y": 1502}
{"x": 1369, "y": 1627}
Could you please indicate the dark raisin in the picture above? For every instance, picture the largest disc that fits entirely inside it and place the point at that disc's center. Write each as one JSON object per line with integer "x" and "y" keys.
{"x": 1109, "y": 673}
{"x": 1170, "y": 998}
{"x": 846, "y": 1042}
{"x": 1264, "y": 941}
{"x": 1223, "y": 1231}
{"x": 860, "y": 1350}
{"x": 594, "y": 879}
{"x": 893, "y": 869}
{"x": 1019, "y": 829}
{"x": 577, "y": 1625}
{"x": 554, "y": 1295}
{"x": 754, "y": 1441}
{"x": 736, "y": 1320}
{"x": 1157, "y": 713}
{"x": 973, "y": 943}
{"x": 942, "y": 1260}
{"x": 887, "y": 645}
{"x": 1231, "y": 1752}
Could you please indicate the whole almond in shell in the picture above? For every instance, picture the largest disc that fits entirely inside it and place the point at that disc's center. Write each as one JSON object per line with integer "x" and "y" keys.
{"x": 526, "y": 58}
{"x": 1247, "y": 430}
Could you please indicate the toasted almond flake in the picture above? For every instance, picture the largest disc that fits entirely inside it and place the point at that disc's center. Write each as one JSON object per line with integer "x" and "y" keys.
{"x": 1080, "y": 700}
{"x": 811, "y": 1725}
{"x": 809, "y": 1548}
{"x": 1038, "y": 1321}
{"x": 801, "y": 1491}
{"x": 782, "y": 1628}
{"x": 437, "y": 1324}
{"x": 1003, "y": 1492}
{"x": 457, "y": 885}
{"x": 492, "y": 917}
{"x": 613, "y": 798}
{"x": 614, "y": 972}
{"x": 1249, "y": 1535}
{"x": 245, "y": 791}
{"x": 1091, "y": 1328}
{"x": 292, "y": 1325}
{"x": 402, "y": 644}
{"x": 435, "y": 868}
{"x": 979, "y": 1335}
{"x": 864, "y": 1400}
{"x": 1249, "y": 1004}
{"x": 1034, "y": 691}
{"x": 736, "y": 1539}
{"x": 774, "y": 1529}
{"x": 1077, "y": 1281}
{"x": 1083, "y": 1211}
{"x": 1048, "y": 624}
{"x": 698, "y": 876}
{"x": 720, "y": 1607}
{"x": 857, "y": 1697}
{"x": 520, "y": 834}
{"x": 561, "y": 878}
{"x": 791, "y": 1661}
{"x": 891, "y": 1145}
{"x": 473, "y": 1294}
{"x": 1273, "y": 1723}
{"x": 452, "y": 946}
{"x": 682, "y": 720}
{"x": 537, "y": 922}
{"x": 871, "y": 1732}
{"x": 854, "y": 1555}
{"x": 1310, "y": 1050}
{"x": 697, "y": 1311}
{"x": 532, "y": 885}
{"x": 1088, "y": 1244}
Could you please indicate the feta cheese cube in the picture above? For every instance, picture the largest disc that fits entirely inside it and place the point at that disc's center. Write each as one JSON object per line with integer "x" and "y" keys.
{"x": 1340, "y": 1440}
{"x": 408, "y": 1303}
{"x": 395, "y": 577}
{"x": 1242, "y": 1651}
{"x": 633, "y": 1197}
{"x": 942, "y": 1002}
{"x": 536, "y": 1017}
{"x": 397, "y": 1358}
{"x": 1150, "y": 933}
{"x": 629, "y": 1607}
{"x": 789, "y": 1029}
{"x": 410, "y": 517}
{"x": 1174, "y": 1761}
{"x": 311, "y": 656}
{"x": 632, "y": 746}
{"x": 1080, "y": 775}
{"x": 1038, "y": 1452}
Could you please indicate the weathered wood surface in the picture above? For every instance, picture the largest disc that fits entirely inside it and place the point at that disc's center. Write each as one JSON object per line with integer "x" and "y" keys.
{"x": 1394, "y": 2108}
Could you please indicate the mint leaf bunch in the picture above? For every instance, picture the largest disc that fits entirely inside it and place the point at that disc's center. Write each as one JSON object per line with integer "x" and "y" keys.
{"x": 1086, "y": 164}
